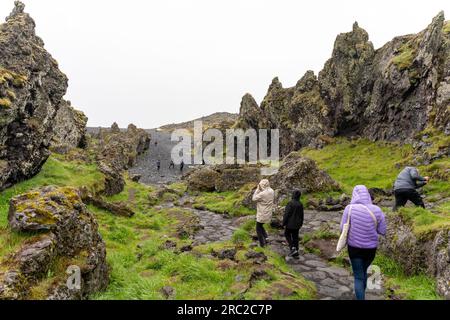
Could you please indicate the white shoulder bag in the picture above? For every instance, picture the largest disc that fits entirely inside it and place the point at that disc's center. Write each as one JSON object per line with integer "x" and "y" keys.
{"x": 373, "y": 217}
{"x": 343, "y": 238}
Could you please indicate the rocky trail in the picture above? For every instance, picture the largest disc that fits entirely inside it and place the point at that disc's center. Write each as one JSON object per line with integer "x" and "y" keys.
{"x": 146, "y": 165}
{"x": 214, "y": 227}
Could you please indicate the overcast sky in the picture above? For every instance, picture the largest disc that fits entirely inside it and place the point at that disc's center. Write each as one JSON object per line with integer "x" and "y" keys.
{"x": 157, "y": 62}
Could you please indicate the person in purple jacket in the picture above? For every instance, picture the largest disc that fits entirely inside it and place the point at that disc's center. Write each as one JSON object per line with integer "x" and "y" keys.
{"x": 367, "y": 221}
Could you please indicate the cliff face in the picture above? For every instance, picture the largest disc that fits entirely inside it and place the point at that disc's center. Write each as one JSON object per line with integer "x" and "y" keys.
{"x": 391, "y": 93}
{"x": 31, "y": 101}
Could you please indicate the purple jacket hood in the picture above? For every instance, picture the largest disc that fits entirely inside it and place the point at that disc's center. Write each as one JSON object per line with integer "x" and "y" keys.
{"x": 361, "y": 195}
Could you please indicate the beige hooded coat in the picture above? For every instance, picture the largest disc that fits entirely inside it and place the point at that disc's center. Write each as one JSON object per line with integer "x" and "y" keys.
{"x": 264, "y": 198}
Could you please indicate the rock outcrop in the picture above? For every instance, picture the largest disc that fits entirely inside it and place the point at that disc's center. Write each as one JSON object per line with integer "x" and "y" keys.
{"x": 117, "y": 151}
{"x": 391, "y": 93}
{"x": 69, "y": 129}
{"x": 221, "y": 178}
{"x": 31, "y": 95}
{"x": 419, "y": 253}
{"x": 297, "y": 173}
{"x": 68, "y": 235}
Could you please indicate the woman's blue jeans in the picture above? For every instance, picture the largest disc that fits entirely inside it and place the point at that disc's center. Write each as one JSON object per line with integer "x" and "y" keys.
{"x": 360, "y": 266}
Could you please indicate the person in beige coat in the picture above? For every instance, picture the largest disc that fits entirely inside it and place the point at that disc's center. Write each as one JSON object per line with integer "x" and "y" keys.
{"x": 264, "y": 198}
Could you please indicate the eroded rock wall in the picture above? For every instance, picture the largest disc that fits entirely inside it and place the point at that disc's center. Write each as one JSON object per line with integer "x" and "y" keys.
{"x": 391, "y": 93}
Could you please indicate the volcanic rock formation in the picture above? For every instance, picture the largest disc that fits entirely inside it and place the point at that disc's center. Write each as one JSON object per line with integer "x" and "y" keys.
{"x": 391, "y": 93}
{"x": 33, "y": 113}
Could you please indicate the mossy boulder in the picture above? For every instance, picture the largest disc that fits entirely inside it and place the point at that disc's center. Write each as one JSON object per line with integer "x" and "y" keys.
{"x": 418, "y": 253}
{"x": 67, "y": 232}
{"x": 297, "y": 172}
{"x": 42, "y": 209}
{"x": 222, "y": 178}
{"x": 202, "y": 180}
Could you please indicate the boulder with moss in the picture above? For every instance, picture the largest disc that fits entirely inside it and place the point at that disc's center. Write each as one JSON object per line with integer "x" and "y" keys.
{"x": 68, "y": 236}
{"x": 297, "y": 172}
{"x": 222, "y": 178}
{"x": 419, "y": 252}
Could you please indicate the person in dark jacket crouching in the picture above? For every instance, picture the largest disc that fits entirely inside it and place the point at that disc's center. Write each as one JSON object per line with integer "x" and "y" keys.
{"x": 405, "y": 187}
{"x": 293, "y": 221}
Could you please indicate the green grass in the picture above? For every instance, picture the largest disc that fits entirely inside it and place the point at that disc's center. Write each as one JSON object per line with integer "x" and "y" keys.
{"x": 424, "y": 221}
{"x": 417, "y": 287}
{"x": 135, "y": 195}
{"x": 178, "y": 187}
{"x": 377, "y": 164}
{"x": 405, "y": 58}
{"x": 372, "y": 164}
{"x": 140, "y": 268}
{"x": 228, "y": 202}
{"x": 240, "y": 236}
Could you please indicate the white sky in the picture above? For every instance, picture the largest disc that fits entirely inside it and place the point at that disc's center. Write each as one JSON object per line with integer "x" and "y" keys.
{"x": 162, "y": 61}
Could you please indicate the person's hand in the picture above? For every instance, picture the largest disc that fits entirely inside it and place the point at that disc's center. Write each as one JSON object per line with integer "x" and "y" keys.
{"x": 427, "y": 179}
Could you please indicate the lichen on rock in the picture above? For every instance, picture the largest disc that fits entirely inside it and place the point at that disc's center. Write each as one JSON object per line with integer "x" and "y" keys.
{"x": 68, "y": 231}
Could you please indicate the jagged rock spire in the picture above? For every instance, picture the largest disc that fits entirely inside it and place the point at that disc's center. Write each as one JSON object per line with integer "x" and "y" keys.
{"x": 19, "y": 8}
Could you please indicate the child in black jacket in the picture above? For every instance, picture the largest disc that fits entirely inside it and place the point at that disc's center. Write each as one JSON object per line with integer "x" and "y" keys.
{"x": 293, "y": 221}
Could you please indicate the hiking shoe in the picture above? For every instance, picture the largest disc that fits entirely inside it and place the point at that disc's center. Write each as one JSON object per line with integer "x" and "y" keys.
{"x": 293, "y": 252}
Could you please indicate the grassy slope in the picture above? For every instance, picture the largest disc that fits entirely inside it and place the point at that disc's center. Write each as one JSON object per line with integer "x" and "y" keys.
{"x": 228, "y": 202}
{"x": 377, "y": 165}
{"x": 416, "y": 287}
{"x": 142, "y": 266}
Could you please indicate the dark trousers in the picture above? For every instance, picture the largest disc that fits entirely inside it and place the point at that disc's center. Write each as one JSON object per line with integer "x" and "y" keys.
{"x": 403, "y": 195}
{"x": 261, "y": 233}
{"x": 361, "y": 259}
{"x": 292, "y": 237}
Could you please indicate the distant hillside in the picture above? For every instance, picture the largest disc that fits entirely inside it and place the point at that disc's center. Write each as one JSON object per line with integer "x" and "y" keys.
{"x": 216, "y": 120}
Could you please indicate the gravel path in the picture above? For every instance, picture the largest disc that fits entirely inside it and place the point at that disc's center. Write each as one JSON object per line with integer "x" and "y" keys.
{"x": 146, "y": 164}
{"x": 215, "y": 227}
